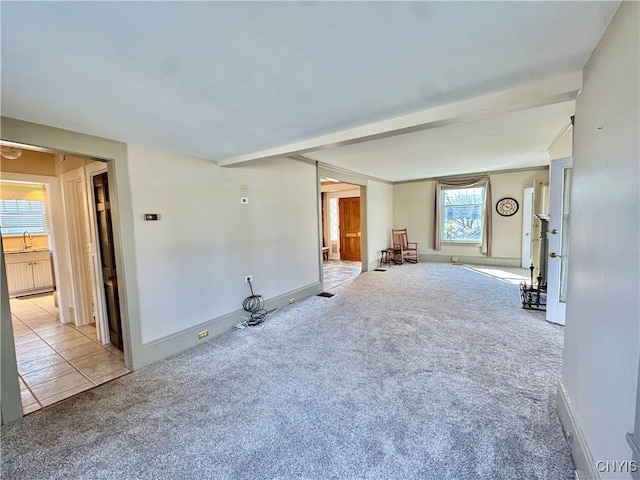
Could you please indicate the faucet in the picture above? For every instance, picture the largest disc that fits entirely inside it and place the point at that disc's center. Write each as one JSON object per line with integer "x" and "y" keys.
{"x": 25, "y": 244}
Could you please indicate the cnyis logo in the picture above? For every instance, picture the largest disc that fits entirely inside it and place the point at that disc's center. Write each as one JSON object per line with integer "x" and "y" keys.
{"x": 626, "y": 466}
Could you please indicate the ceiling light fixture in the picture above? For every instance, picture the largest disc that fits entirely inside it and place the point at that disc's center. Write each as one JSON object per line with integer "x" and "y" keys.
{"x": 10, "y": 153}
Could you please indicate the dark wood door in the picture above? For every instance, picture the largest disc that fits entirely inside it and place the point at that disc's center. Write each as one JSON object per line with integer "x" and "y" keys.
{"x": 107, "y": 257}
{"x": 349, "y": 228}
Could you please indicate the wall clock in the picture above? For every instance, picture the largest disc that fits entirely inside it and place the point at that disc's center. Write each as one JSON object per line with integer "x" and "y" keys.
{"x": 507, "y": 206}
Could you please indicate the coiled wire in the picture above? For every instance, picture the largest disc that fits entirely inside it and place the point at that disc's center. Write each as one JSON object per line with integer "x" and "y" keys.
{"x": 255, "y": 306}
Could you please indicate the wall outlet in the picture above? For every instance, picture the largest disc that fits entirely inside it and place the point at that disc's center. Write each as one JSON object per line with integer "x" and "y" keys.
{"x": 291, "y": 300}
{"x": 248, "y": 278}
{"x": 454, "y": 259}
{"x": 203, "y": 334}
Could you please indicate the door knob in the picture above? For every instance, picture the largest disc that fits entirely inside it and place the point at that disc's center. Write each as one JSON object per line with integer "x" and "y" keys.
{"x": 554, "y": 255}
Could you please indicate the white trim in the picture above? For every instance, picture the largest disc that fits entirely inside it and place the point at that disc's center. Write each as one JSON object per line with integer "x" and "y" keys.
{"x": 100, "y": 306}
{"x": 74, "y": 193}
{"x": 582, "y": 458}
{"x": 527, "y": 228}
{"x": 471, "y": 260}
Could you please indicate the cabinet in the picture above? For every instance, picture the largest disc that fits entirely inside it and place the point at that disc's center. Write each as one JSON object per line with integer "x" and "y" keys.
{"x": 28, "y": 273}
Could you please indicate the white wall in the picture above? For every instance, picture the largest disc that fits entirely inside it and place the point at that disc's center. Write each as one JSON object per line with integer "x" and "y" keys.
{"x": 191, "y": 263}
{"x": 379, "y": 220}
{"x": 414, "y": 208}
{"x": 602, "y": 334}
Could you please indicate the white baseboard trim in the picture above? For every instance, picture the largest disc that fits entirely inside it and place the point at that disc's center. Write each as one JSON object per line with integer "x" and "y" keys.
{"x": 582, "y": 458}
{"x": 472, "y": 260}
{"x": 180, "y": 341}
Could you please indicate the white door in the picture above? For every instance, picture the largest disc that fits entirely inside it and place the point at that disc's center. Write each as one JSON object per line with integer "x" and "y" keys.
{"x": 100, "y": 310}
{"x": 527, "y": 219}
{"x": 74, "y": 193}
{"x": 558, "y": 234}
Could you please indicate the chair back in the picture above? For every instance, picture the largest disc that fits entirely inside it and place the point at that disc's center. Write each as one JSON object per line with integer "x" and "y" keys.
{"x": 399, "y": 238}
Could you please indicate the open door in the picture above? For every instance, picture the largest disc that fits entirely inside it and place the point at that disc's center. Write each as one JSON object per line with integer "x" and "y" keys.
{"x": 527, "y": 224}
{"x": 560, "y": 189}
{"x": 350, "y": 228}
{"x": 107, "y": 257}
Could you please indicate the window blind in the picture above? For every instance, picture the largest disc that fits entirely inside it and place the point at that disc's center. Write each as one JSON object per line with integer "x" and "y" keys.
{"x": 18, "y": 216}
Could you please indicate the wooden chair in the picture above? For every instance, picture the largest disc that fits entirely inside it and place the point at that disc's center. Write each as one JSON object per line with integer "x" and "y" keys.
{"x": 402, "y": 248}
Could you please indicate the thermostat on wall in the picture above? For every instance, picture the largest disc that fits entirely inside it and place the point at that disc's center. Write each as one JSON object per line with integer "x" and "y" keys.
{"x": 150, "y": 217}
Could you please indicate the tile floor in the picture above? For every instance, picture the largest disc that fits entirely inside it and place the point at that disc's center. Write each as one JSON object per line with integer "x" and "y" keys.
{"x": 57, "y": 360}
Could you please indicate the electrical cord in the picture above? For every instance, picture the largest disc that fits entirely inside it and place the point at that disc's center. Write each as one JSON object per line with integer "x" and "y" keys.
{"x": 254, "y": 305}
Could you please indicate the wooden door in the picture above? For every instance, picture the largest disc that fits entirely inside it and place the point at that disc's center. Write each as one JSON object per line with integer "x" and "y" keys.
{"x": 349, "y": 228}
{"x": 107, "y": 257}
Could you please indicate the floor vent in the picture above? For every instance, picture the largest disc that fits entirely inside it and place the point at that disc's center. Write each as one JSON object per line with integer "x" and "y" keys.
{"x": 326, "y": 294}
{"x": 380, "y": 270}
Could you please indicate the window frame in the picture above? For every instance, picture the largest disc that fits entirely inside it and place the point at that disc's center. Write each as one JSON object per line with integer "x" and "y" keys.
{"x": 443, "y": 205}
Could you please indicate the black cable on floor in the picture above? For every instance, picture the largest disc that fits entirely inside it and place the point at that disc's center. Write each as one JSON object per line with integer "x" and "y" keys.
{"x": 255, "y": 306}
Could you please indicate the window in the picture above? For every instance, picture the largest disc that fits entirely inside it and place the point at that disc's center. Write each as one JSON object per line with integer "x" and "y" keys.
{"x": 462, "y": 214}
{"x": 17, "y": 216}
{"x": 333, "y": 219}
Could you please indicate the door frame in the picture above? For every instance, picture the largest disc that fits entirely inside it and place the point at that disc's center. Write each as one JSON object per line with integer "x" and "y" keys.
{"x": 326, "y": 171}
{"x": 35, "y": 136}
{"x": 526, "y": 259}
{"x": 59, "y": 241}
{"x": 556, "y": 310}
{"x": 100, "y": 309}
{"x": 338, "y": 195}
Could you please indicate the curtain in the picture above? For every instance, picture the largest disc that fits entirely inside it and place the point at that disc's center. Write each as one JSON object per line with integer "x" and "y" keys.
{"x": 486, "y": 226}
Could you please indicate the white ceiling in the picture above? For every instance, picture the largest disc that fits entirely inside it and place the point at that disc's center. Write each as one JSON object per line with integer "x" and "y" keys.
{"x": 514, "y": 140}
{"x": 223, "y": 79}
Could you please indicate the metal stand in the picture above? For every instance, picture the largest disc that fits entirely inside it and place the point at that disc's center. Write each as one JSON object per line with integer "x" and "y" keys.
{"x": 534, "y": 297}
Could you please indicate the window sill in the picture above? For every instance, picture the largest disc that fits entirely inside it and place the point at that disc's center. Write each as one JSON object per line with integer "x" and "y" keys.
{"x": 467, "y": 244}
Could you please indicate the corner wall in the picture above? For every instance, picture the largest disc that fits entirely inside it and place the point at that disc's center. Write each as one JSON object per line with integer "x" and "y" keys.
{"x": 602, "y": 334}
{"x": 192, "y": 262}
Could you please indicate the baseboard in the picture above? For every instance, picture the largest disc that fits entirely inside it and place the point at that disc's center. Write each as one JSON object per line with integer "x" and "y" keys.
{"x": 472, "y": 260}
{"x": 582, "y": 458}
{"x": 178, "y": 342}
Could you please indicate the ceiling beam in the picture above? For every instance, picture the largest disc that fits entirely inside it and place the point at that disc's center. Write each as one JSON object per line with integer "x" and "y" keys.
{"x": 546, "y": 92}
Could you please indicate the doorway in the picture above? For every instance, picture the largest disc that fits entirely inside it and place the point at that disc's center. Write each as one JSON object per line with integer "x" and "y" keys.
{"x": 61, "y": 348}
{"x": 558, "y": 246}
{"x": 341, "y": 231}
